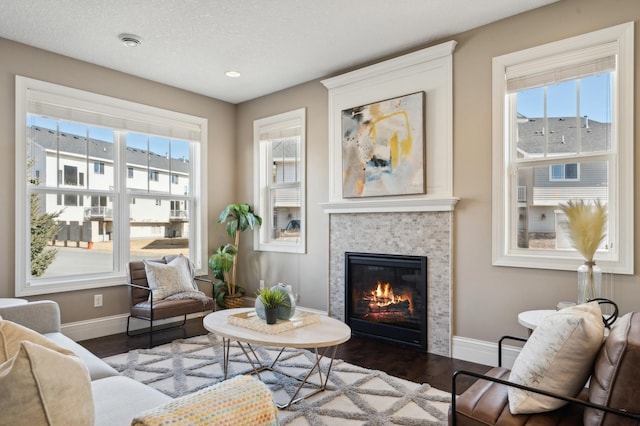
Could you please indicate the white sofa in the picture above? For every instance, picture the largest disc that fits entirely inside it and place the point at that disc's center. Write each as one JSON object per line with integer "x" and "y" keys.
{"x": 117, "y": 399}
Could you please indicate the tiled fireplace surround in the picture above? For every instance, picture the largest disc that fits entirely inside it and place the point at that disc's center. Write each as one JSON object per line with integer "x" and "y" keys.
{"x": 418, "y": 224}
{"x": 404, "y": 233}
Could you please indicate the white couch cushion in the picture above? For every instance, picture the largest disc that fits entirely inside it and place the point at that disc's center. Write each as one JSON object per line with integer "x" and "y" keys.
{"x": 558, "y": 358}
{"x": 119, "y": 399}
{"x": 98, "y": 369}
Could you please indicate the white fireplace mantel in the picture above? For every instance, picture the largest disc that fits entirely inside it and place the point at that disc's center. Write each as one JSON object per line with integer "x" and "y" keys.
{"x": 389, "y": 205}
{"x": 429, "y": 70}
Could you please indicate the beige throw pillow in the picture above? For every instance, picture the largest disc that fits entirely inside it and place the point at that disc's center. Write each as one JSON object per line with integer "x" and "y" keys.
{"x": 40, "y": 386}
{"x": 167, "y": 279}
{"x": 11, "y": 334}
{"x": 558, "y": 358}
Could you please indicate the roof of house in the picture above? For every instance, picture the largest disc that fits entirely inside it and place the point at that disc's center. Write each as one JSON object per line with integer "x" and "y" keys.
{"x": 562, "y": 135}
{"x": 96, "y": 148}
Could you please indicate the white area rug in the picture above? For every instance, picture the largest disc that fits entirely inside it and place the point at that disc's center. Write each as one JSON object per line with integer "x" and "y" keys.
{"x": 354, "y": 395}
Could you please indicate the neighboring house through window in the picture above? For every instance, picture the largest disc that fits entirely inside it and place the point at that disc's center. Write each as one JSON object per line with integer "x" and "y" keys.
{"x": 64, "y": 134}
{"x": 279, "y": 144}
{"x": 563, "y": 130}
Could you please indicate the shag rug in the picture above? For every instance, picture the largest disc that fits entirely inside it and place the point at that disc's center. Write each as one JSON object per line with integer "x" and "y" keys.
{"x": 354, "y": 395}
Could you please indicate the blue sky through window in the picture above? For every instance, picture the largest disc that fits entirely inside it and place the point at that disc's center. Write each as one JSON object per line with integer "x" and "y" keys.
{"x": 594, "y": 99}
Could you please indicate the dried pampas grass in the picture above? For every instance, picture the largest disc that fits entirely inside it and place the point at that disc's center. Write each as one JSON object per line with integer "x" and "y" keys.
{"x": 587, "y": 225}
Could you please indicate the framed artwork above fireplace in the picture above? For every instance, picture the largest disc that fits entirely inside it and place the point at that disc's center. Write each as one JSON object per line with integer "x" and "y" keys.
{"x": 383, "y": 147}
{"x": 425, "y": 75}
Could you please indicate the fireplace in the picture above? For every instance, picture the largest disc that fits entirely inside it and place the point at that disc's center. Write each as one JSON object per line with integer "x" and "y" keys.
{"x": 387, "y": 297}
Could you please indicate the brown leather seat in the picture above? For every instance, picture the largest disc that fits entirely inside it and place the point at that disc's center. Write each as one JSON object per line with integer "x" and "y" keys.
{"x": 143, "y": 308}
{"x": 613, "y": 384}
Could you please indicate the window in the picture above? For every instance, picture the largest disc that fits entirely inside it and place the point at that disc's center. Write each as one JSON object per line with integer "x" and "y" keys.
{"x": 70, "y": 175}
{"x": 174, "y": 178}
{"x": 563, "y": 171}
{"x": 563, "y": 130}
{"x": 98, "y": 168}
{"x": 279, "y": 144}
{"x": 65, "y": 134}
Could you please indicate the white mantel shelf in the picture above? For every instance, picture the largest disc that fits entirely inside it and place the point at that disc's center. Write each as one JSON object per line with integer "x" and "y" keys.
{"x": 391, "y": 205}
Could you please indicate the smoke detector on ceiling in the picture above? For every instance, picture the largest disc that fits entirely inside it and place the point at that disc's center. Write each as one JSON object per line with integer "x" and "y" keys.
{"x": 130, "y": 40}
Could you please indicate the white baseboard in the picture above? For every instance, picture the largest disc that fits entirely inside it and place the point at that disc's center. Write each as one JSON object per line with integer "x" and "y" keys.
{"x": 115, "y": 324}
{"x": 106, "y": 326}
{"x": 482, "y": 352}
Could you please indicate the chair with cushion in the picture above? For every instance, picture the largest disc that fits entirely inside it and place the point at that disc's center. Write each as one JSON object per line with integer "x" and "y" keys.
{"x": 164, "y": 288}
{"x": 546, "y": 383}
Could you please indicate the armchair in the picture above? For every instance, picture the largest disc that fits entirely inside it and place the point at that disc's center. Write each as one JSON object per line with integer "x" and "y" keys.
{"x": 144, "y": 307}
{"x": 609, "y": 400}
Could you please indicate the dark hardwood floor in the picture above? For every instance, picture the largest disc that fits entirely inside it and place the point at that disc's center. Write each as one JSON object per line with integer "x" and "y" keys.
{"x": 407, "y": 363}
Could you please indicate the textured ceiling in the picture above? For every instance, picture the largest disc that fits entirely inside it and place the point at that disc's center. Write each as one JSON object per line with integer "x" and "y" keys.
{"x": 274, "y": 44}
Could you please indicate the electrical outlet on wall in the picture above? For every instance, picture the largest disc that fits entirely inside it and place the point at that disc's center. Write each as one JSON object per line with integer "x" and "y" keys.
{"x": 97, "y": 300}
{"x": 261, "y": 284}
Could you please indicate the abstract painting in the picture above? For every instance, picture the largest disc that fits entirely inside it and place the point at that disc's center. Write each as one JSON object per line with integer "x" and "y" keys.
{"x": 383, "y": 148}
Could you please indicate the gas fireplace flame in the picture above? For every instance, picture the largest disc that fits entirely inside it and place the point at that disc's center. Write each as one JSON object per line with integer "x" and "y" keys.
{"x": 383, "y": 297}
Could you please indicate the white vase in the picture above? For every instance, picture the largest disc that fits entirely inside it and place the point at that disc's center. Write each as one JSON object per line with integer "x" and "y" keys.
{"x": 589, "y": 282}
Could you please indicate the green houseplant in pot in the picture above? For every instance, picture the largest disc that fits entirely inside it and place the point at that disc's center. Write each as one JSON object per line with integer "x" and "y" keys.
{"x": 224, "y": 262}
{"x": 221, "y": 263}
{"x": 272, "y": 299}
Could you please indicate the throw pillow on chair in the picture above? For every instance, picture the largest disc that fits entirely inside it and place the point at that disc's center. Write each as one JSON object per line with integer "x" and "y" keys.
{"x": 558, "y": 357}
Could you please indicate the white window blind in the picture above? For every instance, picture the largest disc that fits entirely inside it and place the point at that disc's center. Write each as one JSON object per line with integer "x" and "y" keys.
{"x": 539, "y": 73}
{"x": 50, "y": 105}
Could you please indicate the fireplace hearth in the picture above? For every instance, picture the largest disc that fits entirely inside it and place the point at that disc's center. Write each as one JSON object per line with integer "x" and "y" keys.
{"x": 387, "y": 297}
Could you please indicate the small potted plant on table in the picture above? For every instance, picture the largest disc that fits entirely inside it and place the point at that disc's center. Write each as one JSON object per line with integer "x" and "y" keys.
{"x": 272, "y": 299}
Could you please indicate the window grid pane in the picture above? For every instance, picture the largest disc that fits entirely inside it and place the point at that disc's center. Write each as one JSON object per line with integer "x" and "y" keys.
{"x": 157, "y": 228}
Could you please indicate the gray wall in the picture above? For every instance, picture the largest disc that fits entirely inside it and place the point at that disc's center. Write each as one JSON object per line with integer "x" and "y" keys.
{"x": 486, "y": 299}
{"x": 18, "y": 59}
{"x": 307, "y": 273}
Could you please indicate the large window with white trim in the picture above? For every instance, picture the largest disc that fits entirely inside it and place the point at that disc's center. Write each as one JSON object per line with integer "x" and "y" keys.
{"x": 100, "y": 182}
{"x": 279, "y": 143}
{"x": 563, "y": 130}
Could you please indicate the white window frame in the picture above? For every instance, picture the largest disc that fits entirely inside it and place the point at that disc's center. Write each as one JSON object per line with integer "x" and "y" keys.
{"x": 262, "y": 177}
{"x": 116, "y": 109}
{"x": 619, "y": 258}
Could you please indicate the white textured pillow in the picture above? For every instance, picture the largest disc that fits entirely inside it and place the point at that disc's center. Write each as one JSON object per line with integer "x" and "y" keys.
{"x": 558, "y": 358}
{"x": 12, "y": 335}
{"x": 41, "y": 386}
{"x": 167, "y": 279}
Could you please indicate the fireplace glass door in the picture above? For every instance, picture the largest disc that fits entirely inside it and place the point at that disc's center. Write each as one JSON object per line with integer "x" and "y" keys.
{"x": 387, "y": 297}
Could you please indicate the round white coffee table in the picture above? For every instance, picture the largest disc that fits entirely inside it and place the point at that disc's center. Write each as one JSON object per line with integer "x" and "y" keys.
{"x": 326, "y": 334}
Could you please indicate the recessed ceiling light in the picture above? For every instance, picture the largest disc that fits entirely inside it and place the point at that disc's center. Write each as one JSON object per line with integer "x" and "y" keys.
{"x": 130, "y": 40}
{"x": 232, "y": 74}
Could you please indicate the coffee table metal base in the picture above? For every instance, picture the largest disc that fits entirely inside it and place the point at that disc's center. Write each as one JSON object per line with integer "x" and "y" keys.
{"x": 258, "y": 366}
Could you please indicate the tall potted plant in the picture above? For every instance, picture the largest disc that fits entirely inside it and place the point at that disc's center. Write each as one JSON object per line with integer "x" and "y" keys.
{"x": 237, "y": 218}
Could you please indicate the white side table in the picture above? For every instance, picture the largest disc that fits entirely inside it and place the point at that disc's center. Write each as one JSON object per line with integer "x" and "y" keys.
{"x": 11, "y": 301}
{"x": 531, "y": 319}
